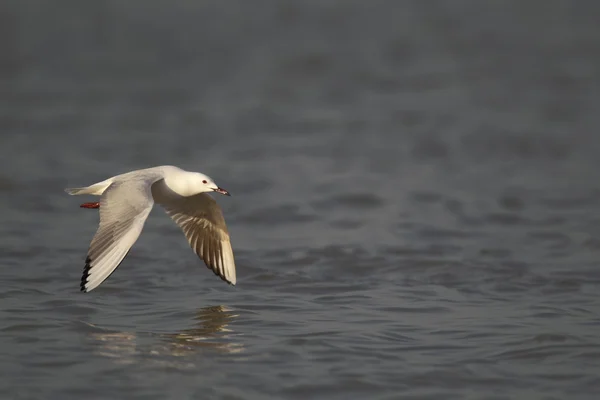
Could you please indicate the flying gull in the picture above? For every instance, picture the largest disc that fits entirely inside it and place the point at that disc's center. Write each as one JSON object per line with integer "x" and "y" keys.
{"x": 127, "y": 199}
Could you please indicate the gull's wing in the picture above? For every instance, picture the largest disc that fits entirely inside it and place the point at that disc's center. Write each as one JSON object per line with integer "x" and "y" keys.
{"x": 202, "y": 222}
{"x": 124, "y": 207}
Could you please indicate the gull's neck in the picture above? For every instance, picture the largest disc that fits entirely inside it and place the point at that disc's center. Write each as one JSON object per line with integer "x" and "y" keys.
{"x": 184, "y": 183}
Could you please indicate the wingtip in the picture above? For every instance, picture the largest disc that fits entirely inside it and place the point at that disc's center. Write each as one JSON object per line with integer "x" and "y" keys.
{"x": 224, "y": 278}
{"x": 230, "y": 281}
{"x": 85, "y": 275}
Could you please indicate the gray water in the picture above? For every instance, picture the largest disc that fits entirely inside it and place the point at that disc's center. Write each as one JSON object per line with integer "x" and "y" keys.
{"x": 415, "y": 209}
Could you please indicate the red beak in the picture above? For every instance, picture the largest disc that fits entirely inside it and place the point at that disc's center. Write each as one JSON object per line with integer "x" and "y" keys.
{"x": 222, "y": 191}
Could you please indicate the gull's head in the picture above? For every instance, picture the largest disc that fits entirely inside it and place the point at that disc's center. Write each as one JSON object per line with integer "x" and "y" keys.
{"x": 208, "y": 185}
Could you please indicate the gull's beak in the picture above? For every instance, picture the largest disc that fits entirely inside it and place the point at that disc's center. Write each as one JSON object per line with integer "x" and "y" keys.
{"x": 222, "y": 191}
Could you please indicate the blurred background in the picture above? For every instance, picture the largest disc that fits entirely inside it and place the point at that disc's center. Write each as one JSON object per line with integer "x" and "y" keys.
{"x": 414, "y": 211}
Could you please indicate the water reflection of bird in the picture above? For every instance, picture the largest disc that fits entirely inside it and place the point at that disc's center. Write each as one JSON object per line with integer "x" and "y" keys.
{"x": 210, "y": 332}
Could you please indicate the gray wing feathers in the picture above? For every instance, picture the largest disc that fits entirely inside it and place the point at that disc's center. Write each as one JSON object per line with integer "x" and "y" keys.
{"x": 124, "y": 207}
{"x": 203, "y": 225}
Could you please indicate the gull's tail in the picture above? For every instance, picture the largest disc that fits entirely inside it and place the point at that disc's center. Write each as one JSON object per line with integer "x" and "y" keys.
{"x": 75, "y": 191}
{"x": 96, "y": 189}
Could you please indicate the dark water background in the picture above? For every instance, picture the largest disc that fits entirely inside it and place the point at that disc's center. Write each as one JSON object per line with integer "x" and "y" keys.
{"x": 415, "y": 210}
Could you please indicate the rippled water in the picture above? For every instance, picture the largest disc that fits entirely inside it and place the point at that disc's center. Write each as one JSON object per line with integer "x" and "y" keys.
{"x": 415, "y": 209}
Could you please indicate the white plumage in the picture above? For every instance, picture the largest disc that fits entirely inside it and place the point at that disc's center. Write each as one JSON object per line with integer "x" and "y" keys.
{"x": 127, "y": 199}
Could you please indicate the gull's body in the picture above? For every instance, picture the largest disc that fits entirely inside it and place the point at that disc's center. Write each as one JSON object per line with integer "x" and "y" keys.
{"x": 127, "y": 199}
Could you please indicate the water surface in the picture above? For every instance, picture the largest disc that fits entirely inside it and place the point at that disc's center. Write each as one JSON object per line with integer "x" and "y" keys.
{"x": 415, "y": 202}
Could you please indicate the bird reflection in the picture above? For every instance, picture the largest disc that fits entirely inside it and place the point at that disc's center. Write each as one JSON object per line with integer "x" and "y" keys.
{"x": 210, "y": 331}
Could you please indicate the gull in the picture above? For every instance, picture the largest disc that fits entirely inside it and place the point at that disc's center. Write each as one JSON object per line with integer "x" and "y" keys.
{"x": 127, "y": 199}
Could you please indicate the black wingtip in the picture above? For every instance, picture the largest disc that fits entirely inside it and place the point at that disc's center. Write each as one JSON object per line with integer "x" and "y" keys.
{"x": 216, "y": 272}
{"x": 86, "y": 273}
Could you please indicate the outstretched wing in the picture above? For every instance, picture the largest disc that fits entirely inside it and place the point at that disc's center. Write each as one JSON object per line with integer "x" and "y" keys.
{"x": 124, "y": 207}
{"x": 202, "y": 222}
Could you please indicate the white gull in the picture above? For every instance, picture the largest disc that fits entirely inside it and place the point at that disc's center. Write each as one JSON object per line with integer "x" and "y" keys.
{"x": 127, "y": 199}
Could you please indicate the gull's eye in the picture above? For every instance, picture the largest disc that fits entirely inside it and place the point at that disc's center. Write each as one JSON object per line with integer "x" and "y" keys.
{"x": 204, "y": 181}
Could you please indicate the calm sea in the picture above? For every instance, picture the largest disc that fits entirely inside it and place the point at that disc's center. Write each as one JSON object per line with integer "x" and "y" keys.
{"x": 415, "y": 207}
